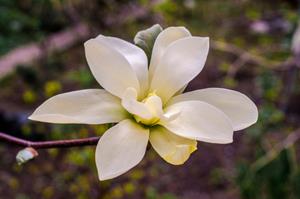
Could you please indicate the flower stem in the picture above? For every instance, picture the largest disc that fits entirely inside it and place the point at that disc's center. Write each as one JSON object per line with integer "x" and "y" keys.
{"x": 48, "y": 144}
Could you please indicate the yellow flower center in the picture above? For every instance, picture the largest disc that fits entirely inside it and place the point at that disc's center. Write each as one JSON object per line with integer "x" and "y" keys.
{"x": 154, "y": 106}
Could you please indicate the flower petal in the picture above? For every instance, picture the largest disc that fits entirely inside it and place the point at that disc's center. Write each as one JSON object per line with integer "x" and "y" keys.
{"x": 134, "y": 55}
{"x": 130, "y": 103}
{"x": 147, "y": 112}
{"x": 163, "y": 40}
{"x": 241, "y": 111}
{"x": 200, "y": 121}
{"x": 110, "y": 68}
{"x": 172, "y": 148}
{"x": 90, "y": 106}
{"x": 182, "y": 61}
{"x": 180, "y": 91}
{"x": 120, "y": 148}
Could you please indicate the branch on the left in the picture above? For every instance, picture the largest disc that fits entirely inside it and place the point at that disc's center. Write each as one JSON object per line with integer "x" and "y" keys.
{"x": 29, "y": 152}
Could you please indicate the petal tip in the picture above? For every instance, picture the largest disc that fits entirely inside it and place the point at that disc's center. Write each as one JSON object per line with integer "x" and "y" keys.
{"x": 108, "y": 175}
{"x": 251, "y": 122}
{"x": 104, "y": 177}
{"x": 206, "y": 40}
{"x": 32, "y": 117}
{"x": 89, "y": 42}
{"x": 86, "y": 42}
{"x": 192, "y": 149}
{"x": 227, "y": 141}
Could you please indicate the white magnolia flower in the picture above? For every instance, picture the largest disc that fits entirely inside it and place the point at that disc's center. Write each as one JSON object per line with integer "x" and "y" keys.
{"x": 148, "y": 104}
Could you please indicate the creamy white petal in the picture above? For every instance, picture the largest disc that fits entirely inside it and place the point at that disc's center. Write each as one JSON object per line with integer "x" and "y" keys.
{"x": 201, "y": 121}
{"x": 148, "y": 112}
{"x": 130, "y": 103}
{"x": 90, "y": 106}
{"x": 134, "y": 55}
{"x": 241, "y": 111}
{"x": 120, "y": 148}
{"x": 182, "y": 61}
{"x": 163, "y": 40}
{"x": 110, "y": 68}
{"x": 181, "y": 90}
{"x": 172, "y": 148}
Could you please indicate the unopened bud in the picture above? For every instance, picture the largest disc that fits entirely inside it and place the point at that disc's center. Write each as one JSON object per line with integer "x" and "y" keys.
{"x": 25, "y": 155}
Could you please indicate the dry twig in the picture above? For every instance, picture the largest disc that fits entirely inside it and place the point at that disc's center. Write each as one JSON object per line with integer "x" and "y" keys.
{"x": 48, "y": 144}
{"x": 289, "y": 141}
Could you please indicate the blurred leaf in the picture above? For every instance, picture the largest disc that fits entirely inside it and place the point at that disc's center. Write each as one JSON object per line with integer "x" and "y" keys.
{"x": 26, "y": 21}
{"x": 230, "y": 82}
{"x": 137, "y": 174}
{"x": 151, "y": 193}
{"x": 270, "y": 85}
{"x": 83, "y": 76}
{"x": 168, "y": 196}
{"x": 28, "y": 74}
{"x": 270, "y": 118}
{"x": 145, "y": 39}
{"x": 81, "y": 157}
{"x": 253, "y": 14}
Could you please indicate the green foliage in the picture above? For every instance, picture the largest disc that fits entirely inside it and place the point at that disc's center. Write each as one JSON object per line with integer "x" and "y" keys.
{"x": 270, "y": 85}
{"x": 36, "y": 18}
{"x": 268, "y": 176}
{"x": 28, "y": 74}
{"x": 270, "y": 118}
{"x": 80, "y": 157}
{"x": 230, "y": 82}
{"x": 270, "y": 181}
{"x": 82, "y": 76}
{"x": 151, "y": 193}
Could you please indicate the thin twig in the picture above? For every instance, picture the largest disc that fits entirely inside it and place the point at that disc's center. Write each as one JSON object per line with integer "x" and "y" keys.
{"x": 48, "y": 144}
{"x": 272, "y": 154}
{"x": 235, "y": 67}
{"x": 245, "y": 56}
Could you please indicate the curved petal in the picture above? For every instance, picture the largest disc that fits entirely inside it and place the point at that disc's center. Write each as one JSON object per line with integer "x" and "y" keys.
{"x": 182, "y": 61}
{"x": 110, "y": 68}
{"x": 149, "y": 111}
{"x": 90, "y": 106}
{"x": 120, "y": 148}
{"x": 155, "y": 105}
{"x": 163, "y": 40}
{"x": 134, "y": 55}
{"x": 241, "y": 111}
{"x": 130, "y": 103}
{"x": 180, "y": 91}
{"x": 172, "y": 148}
{"x": 200, "y": 121}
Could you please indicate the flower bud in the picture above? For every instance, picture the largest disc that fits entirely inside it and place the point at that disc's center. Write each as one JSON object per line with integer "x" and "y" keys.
{"x": 25, "y": 155}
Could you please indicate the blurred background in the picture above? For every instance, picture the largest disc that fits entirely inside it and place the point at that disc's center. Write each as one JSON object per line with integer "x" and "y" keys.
{"x": 252, "y": 51}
